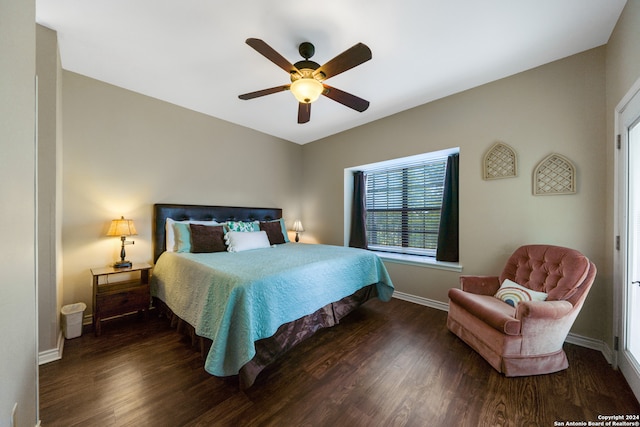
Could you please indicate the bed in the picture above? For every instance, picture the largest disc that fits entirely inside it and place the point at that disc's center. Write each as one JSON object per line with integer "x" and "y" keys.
{"x": 249, "y": 307}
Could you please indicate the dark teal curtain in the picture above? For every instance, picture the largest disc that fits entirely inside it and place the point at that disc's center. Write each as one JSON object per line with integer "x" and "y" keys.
{"x": 358, "y": 234}
{"x": 448, "y": 234}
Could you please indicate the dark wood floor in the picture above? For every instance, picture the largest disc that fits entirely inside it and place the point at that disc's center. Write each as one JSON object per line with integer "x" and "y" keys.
{"x": 387, "y": 364}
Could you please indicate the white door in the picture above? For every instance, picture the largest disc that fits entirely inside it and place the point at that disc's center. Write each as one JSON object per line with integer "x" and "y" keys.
{"x": 628, "y": 294}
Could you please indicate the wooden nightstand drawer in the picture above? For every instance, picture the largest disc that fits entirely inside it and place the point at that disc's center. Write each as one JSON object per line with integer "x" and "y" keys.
{"x": 112, "y": 299}
{"x": 117, "y": 302}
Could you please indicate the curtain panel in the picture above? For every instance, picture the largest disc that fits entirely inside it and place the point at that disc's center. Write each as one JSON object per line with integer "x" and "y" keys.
{"x": 448, "y": 235}
{"x": 358, "y": 234}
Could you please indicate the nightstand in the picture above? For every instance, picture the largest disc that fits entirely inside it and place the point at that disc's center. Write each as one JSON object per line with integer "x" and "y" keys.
{"x": 115, "y": 298}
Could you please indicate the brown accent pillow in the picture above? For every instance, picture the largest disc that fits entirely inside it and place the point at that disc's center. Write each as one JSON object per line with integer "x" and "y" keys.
{"x": 207, "y": 238}
{"x": 274, "y": 232}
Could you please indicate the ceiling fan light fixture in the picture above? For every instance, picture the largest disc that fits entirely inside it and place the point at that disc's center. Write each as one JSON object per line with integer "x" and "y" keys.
{"x": 306, "y": 89}
{"x": 307, "y": 76}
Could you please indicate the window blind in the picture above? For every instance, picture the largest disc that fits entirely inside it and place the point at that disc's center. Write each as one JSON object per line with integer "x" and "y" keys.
{"x": 403, "y": 206}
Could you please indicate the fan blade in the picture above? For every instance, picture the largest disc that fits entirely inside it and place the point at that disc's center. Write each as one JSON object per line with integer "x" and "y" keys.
{"x": 348, "y": 59}
{"x": 345, "y": 98}
{"x": 264, "y": 92}
{"x": 268, "y": 52}
{"x": 304, "y": 112}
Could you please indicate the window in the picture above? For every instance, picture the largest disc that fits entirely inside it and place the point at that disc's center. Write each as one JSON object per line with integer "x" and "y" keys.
{"x": 403, "y": 208}
{"x": 403, "y": 205}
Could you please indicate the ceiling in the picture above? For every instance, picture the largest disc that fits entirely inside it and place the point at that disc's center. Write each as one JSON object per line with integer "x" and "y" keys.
{"x": 192, "y": 53}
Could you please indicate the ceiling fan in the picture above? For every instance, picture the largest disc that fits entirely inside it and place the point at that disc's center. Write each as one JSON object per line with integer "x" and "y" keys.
{"x": 307, "y": 77}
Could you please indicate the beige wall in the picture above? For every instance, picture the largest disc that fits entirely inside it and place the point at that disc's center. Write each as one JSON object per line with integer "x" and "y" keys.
{"x": 49, "y": 197}
{"x": 622, "y": 70}
{"x": 123, "y": 152}
{"x": 559, "y": 107}
{"x": 623, "y": 57}
{"x": 18, "y": 299}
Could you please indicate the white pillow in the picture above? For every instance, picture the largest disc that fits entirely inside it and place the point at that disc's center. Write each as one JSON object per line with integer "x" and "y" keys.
{"x": 512, "y": 293}
{"x": 238, "y": 241}
{"x": 170, "y": 236}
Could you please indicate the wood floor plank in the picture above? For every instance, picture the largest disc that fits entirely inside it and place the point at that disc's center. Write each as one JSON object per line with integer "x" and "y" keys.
{"x": 386, "y": 364}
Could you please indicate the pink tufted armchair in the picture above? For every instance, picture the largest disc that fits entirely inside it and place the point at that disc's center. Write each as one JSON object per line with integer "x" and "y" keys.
{"x": 527, "y": 338}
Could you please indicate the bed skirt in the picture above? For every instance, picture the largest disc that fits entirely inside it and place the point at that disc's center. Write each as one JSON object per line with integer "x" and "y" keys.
{"x": 286, "y": 337}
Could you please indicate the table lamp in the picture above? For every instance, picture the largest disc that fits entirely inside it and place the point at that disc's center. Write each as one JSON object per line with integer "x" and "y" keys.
{"x": 123, "y": 228}
{"x": 298, "y": 228}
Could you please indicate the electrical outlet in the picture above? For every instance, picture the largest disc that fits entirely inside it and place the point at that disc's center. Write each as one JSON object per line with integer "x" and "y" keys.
{"x": 13, "y": 414}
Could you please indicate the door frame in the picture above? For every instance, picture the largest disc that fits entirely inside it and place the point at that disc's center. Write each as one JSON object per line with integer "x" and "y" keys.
{"x": 620, "y": 236}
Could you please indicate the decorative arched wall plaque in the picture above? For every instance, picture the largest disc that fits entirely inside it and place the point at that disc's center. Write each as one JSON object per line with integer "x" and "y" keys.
{"x": 555, "y": 174}
{"x": 499, "y": 161}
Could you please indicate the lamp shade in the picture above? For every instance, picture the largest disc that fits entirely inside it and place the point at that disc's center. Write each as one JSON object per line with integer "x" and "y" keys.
{"x": 297, "y": 226}
{"x": 306, "y": 89}
{"x": 122, "y": 227}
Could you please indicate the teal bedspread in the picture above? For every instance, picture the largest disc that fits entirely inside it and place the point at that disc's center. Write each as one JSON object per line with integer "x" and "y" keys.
{"x": 235, "y": 299}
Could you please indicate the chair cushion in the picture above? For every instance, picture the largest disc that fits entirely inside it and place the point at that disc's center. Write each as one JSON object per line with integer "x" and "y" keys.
{"x": 554, "y": 270}
{"x": 494, "y": 312}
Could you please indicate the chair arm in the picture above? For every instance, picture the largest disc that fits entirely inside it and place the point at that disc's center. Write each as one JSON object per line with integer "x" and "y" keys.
{"x": 481, "y": 285}
{"x": 544, "y": 325}
{"x": 551, "y": 310}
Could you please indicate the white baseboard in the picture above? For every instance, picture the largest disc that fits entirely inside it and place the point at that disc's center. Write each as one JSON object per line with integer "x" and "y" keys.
{"x": 52, "y": 354}
{"x": 585, "y": 342}
{"x": 421, "y": 300}
{"x": 593, "y": 344}
{"x": 56, "y": 353}
{"x": 580, "y": 340}
{"x": 609, "y": 354}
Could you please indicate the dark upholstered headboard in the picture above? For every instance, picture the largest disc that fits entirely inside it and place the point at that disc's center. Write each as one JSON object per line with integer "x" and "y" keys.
{"x": 198, "y": 212}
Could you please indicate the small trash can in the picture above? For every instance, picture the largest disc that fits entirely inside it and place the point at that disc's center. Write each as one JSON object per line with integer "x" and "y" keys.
{"x": 72, "y": 315}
